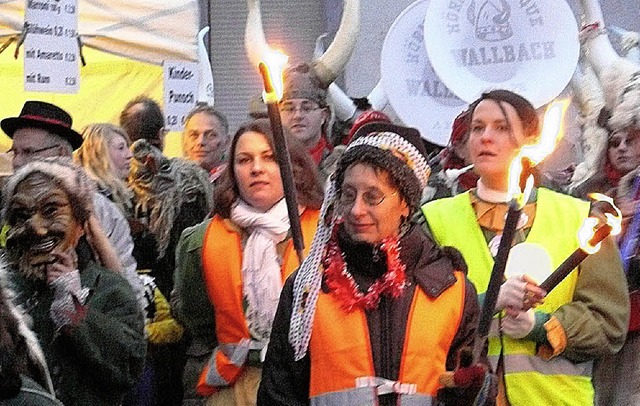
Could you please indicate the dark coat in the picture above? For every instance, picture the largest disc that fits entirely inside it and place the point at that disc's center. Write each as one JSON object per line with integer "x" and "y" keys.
{"x": 286, "y": 382}
{"x": 98, "y": 360}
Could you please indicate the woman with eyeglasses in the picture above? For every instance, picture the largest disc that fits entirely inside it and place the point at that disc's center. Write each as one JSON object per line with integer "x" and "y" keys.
{"x": 231, "y": 268}
{"x": 543, "y": 356}
{"x": 377, "y": 312}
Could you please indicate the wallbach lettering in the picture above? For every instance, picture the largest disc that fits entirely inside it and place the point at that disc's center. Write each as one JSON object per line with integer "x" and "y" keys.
{"x": 522, "y": 52}
{"x": 491, "y": 22}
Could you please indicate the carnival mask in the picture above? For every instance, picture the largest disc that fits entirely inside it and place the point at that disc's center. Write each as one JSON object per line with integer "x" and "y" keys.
{"x": 151, "y": 172}
{"x": 42, "y": 223}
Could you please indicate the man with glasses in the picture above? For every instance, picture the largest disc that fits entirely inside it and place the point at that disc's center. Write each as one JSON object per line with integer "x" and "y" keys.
{"x": 306, "y": 115}
{"x": 43, "y": 130}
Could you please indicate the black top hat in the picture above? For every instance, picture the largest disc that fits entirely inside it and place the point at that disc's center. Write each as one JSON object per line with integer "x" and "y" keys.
{"x": 46, "y": 116}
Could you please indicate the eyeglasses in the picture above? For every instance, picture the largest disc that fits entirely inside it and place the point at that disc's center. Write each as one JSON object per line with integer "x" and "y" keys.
{"x": 305, "y": 107}
{"x": 29, "y": 152}
{"x": 370, "y": 198}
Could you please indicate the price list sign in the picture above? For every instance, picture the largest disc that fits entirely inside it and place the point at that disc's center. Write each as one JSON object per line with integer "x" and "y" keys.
{"x": 180, "y": 92}
{"x": 51, "y": 46}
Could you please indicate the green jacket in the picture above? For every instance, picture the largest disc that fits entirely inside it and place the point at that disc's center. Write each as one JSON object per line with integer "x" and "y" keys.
{"x": 97, "y": 361}
{"x": 190, "y": 305}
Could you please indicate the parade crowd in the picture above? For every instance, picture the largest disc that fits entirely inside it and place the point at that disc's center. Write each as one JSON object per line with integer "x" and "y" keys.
{"x": 131, "y": 278}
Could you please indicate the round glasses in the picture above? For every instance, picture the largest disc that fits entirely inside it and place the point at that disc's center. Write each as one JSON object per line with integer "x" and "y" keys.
{"x": 289, "y": 108}
{"x": 370, "y": 198}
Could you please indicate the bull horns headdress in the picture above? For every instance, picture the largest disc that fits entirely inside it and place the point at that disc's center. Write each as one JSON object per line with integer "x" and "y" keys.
{"x": 328, "y": 66}
{"x": 344, "y": 107}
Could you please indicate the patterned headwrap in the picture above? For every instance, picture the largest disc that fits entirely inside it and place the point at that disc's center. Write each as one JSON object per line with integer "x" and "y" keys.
{"x": 401, "y": 153}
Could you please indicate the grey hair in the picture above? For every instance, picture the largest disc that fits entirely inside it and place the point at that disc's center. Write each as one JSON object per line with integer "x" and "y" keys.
{"x": 62, "y": 142}
{"x": 211, "y": 111}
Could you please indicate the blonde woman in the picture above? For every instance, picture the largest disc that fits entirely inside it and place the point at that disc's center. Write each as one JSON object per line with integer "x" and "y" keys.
{"x": 106, "y": 158}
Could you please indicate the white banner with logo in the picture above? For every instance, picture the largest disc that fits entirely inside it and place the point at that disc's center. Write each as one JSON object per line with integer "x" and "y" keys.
{"x": 415, "y": 92}
{"x": 527, "y": 46}
{"x": 51, "y": 51}
{"x": 181, "y": 79}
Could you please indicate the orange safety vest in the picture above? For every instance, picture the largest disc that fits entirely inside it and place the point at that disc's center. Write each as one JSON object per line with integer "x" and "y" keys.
{"x": 222, "y": 274}
{"x": 342, "y": 369}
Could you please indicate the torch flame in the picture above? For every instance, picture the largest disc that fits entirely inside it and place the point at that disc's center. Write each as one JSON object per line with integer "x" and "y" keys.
{"x": 590, "y": 225}
{"x": 586, "y": 232}
{"x": 613, "y": 219}
{"x": 551, "y": 133}
{"x": 274, "y": 63}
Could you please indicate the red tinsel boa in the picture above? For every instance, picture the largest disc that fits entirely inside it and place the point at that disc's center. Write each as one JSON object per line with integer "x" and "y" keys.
{"x": 344, "y": 287}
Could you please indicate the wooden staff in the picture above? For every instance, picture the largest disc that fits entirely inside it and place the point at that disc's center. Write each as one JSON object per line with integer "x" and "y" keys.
{"x": 497, "y": 275}
{"x": 284, "y": 161}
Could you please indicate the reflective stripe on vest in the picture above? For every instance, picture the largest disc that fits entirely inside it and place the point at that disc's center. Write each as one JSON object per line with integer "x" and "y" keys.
{"x": 340, "y": 350}
{"x": 555, "y": 366}
{"x": 366, "y": 397}
{"x": 229, "y": 359}
{"x": 558, "y": 217}
{"x": 222, "y": 274}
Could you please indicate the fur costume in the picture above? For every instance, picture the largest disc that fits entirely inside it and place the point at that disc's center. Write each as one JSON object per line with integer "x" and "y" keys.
{"x": 590, "y": 97}
{"x": 621, "y": 85}
{"x": 609, "y": 98}
{"x": 35, "y": 355}
{"x": 161, "y": 186}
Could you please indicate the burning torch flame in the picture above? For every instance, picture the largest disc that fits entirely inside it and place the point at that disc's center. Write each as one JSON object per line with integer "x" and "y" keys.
{"x": 272, "y": 70}
{"x": 590, "y": 228}
{"x": 585, "y": 234}
{"x": 534, "y": 154}
{"x": 613, "y": 219}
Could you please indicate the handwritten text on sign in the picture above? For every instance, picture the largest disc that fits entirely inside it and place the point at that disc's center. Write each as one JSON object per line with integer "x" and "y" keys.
{"x": 180, "y": 92}
{"x": 51, "y": 50}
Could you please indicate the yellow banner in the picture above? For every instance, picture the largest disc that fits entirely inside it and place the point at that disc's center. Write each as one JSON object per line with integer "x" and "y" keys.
{"x": 108, "y": 82}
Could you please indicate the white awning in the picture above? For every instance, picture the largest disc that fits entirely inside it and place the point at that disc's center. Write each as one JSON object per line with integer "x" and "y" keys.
{"x": 145, "y": 30}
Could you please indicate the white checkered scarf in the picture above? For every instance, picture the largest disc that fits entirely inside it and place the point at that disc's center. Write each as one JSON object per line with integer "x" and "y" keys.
{"x": 309, "y": 277}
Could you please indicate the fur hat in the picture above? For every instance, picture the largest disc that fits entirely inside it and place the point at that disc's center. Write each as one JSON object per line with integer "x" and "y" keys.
{"x": 46, "y": 116}
{"x": 300, "y": 82}
{"x": 621, "y": 86}
{"x": 66, "y": 174}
